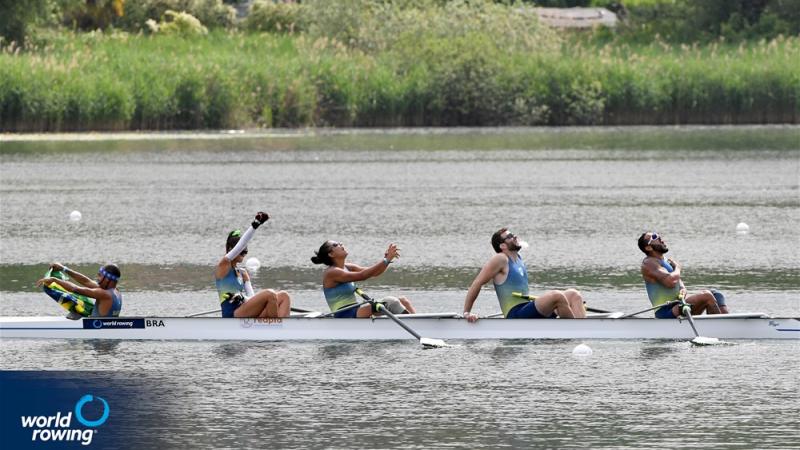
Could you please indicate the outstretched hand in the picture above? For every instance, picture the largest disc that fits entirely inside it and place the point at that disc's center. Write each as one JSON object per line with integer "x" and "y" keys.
{"x": 57, "y": 266}
{"x": 392, "y": 252}
{"x": 44, "y": 282}
{"x": 261, "y": 217}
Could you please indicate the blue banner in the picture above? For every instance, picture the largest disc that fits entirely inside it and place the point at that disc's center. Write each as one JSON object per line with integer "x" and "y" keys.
{"x": 42, "y": 409}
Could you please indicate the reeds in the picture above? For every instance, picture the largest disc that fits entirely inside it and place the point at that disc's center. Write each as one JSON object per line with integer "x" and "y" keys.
{"x": 235, "y": 80}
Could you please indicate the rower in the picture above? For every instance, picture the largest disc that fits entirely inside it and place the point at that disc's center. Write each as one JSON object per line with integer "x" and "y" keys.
{"x": 662, "y": 279}
{"x": 509, "y": 275}
{"x": 73, "y": 297}
{"x": 236, "y": 295}
{"x": 338, "y": 282}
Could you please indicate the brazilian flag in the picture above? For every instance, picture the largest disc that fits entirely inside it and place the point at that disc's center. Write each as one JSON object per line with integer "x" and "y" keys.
{"x": 70, "y": 301}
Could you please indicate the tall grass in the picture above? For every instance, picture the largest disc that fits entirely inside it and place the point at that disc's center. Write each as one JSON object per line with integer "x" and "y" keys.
{"x": 120, "y": 82}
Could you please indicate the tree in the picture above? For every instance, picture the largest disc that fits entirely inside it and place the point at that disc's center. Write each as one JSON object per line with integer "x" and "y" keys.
{"x": 18, "y": 16}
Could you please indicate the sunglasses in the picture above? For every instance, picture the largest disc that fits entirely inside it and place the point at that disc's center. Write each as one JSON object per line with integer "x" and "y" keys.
{"x": 509, "y": 236}
{"x": 336, "y": 244}
{"x": 653, "y": 237}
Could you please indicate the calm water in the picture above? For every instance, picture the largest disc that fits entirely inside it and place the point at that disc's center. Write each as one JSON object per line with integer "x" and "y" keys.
{"x": 161, "y": 207}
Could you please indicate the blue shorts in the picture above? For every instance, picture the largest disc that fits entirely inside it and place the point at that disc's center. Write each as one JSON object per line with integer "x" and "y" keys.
{"x": 527, "y": 310}
{"x": 228, "y": 308}
{"x": 351, "y": 313}
{"x": 665, "y": 312}
{"x": 718, "y": 296}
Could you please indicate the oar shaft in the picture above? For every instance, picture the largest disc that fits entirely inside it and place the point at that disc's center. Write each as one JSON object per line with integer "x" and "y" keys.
{"x": 300, "y": 310}
{"x": 533, "y": 297}
{"x": 391, "y": 315}
{"x": 687, "y": 311}
{"x": 204, "y": 313}
{"x": 671, "y": 304}
{"x": 346, "y": 308}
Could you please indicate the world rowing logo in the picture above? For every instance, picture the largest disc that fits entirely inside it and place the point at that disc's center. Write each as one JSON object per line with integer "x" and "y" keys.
{"x": 58, "y": 427}
{"x": 91, "y": 423}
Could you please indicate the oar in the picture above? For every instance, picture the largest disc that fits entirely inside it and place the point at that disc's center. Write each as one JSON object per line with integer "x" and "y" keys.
{"x": 346, "y": 308}
{"x": 533, "y": 297}
{"x": 426, "y": 342}
{"x": 300, "y": 310}
{"x": 670, "y": 304}
{"x": 686, "y": 310}
{"x": 204, "y": 313}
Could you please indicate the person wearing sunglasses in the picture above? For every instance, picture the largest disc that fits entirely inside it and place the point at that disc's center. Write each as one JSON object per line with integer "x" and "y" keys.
{"x": 508, "y": 273}
{"x": 107, "y": 298}
{"x": 662, "y": 279}
{"x": 236, "y": 295}
{"x": 339, "y": 278}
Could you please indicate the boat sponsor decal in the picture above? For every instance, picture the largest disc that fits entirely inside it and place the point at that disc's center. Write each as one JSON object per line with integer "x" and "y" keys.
{"x": 261, "y": 322}
{"x": 59, "y": 427}
{"x": 97, "y": 324}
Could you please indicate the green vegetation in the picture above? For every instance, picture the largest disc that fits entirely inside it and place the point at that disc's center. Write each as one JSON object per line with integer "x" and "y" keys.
{"x": 402, "y": 63}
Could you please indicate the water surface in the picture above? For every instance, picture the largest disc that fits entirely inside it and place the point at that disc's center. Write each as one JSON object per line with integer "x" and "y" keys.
{"x": 161, "y": 206}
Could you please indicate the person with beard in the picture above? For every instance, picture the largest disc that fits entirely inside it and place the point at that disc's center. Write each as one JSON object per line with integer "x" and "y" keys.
{"x": 662, "y": 279}
{"x": 509, "y": 275}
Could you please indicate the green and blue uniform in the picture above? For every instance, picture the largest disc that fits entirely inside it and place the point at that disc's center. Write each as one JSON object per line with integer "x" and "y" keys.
{"x": 661, "y": 295}
{"x": 516, "y": 281}
{"x": 340, "y": 296}
{"x": 116, "y": 305}
{"x": 227, "y": 287}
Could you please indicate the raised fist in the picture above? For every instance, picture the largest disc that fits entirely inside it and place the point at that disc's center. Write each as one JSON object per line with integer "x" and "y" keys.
{"x": 261, "y": 217}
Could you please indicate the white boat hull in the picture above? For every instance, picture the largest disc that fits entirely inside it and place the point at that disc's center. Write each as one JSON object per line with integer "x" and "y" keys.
{"x": 302, "y": 328}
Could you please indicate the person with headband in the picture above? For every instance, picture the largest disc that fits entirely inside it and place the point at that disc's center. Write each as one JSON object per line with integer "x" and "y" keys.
{"x": 507, "y": 271}
{"x": 236, "y": 295}
{"x": 338, "y": 281}
{"x": 107, "y": 298}
{"x": 662, "y": 279}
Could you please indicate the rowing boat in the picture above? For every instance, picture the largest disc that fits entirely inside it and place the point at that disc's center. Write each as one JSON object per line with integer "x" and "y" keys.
{"x": 442, "y": 326}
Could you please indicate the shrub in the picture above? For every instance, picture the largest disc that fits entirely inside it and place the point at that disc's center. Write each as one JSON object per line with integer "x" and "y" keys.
{"x": 180, "y": 23}
{"x": 211, "y": 13}
{"x": 17, "y": 17}
{"x": 268, "y": 16}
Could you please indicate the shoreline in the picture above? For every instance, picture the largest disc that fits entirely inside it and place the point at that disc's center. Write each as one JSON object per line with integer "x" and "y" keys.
{"x": 288, "y": 133}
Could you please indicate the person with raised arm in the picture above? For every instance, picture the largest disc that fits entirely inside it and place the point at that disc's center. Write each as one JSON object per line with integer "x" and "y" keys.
{"x": 236, "y": 295}
{"x": 338, "y": 281}
{"x": 508, "y": 273}
{"x": 662, "y": 279}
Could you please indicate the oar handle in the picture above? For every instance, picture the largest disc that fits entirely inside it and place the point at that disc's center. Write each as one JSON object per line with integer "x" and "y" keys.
{"x": 364, "y": 295}
{"x": 525, "y": 296}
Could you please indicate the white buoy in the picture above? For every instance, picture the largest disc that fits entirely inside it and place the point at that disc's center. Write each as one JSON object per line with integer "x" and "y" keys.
{"x": 75, "y": 216}
{"x": 742, "y": 228}
{"x": 252, "y": 263}
{"x": 582, "y": 350}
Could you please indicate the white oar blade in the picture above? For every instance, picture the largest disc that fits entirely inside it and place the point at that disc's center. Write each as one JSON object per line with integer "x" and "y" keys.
{"x": 432, "y": 343}
{"x": 702, "y": 340}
